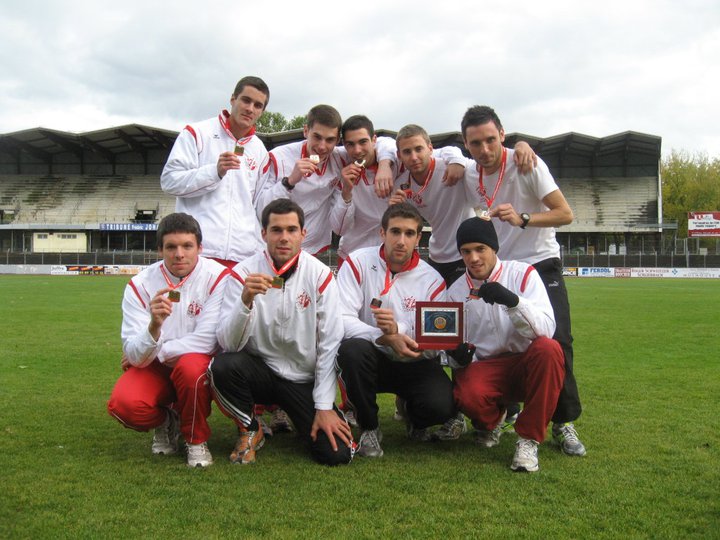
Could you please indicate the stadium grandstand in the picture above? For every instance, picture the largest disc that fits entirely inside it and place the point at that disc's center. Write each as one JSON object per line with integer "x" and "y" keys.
{"x": 95, "y": 197}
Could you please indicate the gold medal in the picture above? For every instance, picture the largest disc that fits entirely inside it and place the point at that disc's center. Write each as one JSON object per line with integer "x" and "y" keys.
{"x": 474, "y": 294}
{"x": 239, "y": 150}
{"x": 375, "y": 303}
{"x": 277, "y": 282}
{"x": 174, "y": 296}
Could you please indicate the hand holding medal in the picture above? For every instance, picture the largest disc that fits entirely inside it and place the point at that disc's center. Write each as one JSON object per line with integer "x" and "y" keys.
{"x": 256, "y": 284}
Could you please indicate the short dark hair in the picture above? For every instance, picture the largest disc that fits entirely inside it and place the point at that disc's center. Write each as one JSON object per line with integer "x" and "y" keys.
{"x": 325, "y": 115}
{"x": 255, "y": 82}
{"x": 358, "y": 121}
{"x": 178, "y": 222}
{"x": 412, "y": 130}
{"x": 282, "y": 206}
{"x": 477, "y": 116}
{"x": 402, "y": 210}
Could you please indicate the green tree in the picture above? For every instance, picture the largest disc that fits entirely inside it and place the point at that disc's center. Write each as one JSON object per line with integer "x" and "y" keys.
{"x": 690, "y": 183}
{"x": 275, "y": 122}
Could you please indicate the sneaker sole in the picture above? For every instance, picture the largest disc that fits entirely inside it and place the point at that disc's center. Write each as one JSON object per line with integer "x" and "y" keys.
{"x": 525, "y": 469}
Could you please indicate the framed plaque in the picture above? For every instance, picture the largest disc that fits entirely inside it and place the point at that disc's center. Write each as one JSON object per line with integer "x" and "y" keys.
{"x": 439, "y": 325}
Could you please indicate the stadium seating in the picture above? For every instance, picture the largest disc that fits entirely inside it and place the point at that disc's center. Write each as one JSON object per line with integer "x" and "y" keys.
{"x": 65, "y": 200}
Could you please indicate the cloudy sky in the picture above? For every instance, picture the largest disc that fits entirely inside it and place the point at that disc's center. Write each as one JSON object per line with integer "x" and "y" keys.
{"x": 547, "y": 67}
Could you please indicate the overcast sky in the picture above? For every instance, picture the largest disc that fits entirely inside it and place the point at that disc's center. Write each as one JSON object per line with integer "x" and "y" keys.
{"x": 547, "y": 67}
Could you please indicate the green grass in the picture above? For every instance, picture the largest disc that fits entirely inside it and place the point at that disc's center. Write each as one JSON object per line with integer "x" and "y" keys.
{"x": 648, "y": 368}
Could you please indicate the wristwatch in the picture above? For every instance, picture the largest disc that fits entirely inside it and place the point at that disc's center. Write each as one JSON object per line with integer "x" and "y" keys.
{"x": 525, "y": 219}
{"x": 286, "y": 183}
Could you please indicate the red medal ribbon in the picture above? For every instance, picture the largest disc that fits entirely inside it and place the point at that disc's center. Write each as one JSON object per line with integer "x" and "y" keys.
{"x": 426, "y": 181}
{"x": 493, "y": 277}
{"x": 501, "y": 176}
{"x": 412, "y": 263}
{"x": 285, "y": 267}
{"x": 224, "y": 118}
{"x": 169, "y": 282}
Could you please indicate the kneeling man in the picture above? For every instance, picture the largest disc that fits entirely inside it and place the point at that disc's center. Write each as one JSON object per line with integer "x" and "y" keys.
{"x": 510, "y": 321}
{"x": 170, "y": 316}
{"x": 281, "y": 329}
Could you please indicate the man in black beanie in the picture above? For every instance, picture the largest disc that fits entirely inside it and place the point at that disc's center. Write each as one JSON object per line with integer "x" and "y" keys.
{"x": 510, "y": 322}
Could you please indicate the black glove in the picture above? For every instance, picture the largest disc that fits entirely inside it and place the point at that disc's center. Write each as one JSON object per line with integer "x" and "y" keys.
{"x": 463, "y": 354}
{"x": 493, "y": 292}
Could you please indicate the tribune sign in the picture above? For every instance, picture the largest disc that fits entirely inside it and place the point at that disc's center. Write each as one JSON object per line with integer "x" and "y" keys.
{"x": 703, "y": 224}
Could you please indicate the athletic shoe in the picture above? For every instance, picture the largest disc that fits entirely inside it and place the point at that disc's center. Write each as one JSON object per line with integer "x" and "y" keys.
{"x": 566, "y": 436}
{"x": 452, "y": 429}
{"x": 369, "y": 445}
{"x": 267, "y": 430}
{"x": 526, "y": 456}
{"x": 509, "y": 424}
{"x": 165, "y": 439}
{"x": 490, "y": 437}
{"x": 280, "y": 422}
{"x": 248, "y": 443}
{"x": 198, "y": 455}
{"x": 350, "y": 418}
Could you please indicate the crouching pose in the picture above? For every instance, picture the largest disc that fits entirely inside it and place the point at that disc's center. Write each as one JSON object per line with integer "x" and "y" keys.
{"x": 509, "y": 321}
{"x": 281, "y": 328}
{"x": 170, "y": 317}
{"x": 380, "y": 286}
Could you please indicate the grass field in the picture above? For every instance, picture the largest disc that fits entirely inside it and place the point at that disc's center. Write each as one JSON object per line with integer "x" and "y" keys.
{"x": 648, "y": 368}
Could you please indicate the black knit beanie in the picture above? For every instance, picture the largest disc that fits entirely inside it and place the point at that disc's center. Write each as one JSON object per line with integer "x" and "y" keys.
{"x": 476, "y": 229}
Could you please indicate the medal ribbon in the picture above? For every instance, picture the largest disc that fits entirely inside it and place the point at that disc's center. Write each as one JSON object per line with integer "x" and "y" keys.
{"x": 170, "y": 283}
{"x": 389, "y": 282}
{"x": 493, "y": 277}
{"x": 501, "y": 176}
{"x": 426, "y": 181}
{"x": 224, "y": 118}
{"x": 285, "y": 267}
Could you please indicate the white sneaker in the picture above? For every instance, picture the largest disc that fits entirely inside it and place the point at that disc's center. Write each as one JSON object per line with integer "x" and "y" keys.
{"x": 566, "y": 436}
{"x": 526, "y": 456}
{"x": 369, "y": 445}
{"x": 198, "y": 455}
{"x": 165, "y": 439}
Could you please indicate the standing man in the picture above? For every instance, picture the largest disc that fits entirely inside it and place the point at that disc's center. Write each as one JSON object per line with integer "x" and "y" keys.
{"x": 360, "y": 166}
{"x": 380, "y": 286}
{"x": 443, "y": 205}
{"x": 281, "y": 329}
{"x": 509, "y": 321}
{"x": 309, "y": 173}
{"x": 170, "y": 316}
{"x": 214, "y": 170}
{"x": 526, "y": 207}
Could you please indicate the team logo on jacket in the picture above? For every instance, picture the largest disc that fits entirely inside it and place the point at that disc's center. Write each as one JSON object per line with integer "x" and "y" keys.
{"x": 194, "y": 309}
{"x": 303, "y": 301}
{"x": 417, "y": 199}
{"x": 408, "y": 304}
{"x": 251, "y": 163}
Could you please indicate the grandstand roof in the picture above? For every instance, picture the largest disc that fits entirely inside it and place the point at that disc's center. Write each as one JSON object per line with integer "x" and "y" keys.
{"x": 565, "y": 154}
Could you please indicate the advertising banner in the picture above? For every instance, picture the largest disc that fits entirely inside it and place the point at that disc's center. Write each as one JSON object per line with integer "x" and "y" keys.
{"x": 703, "y": 224}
